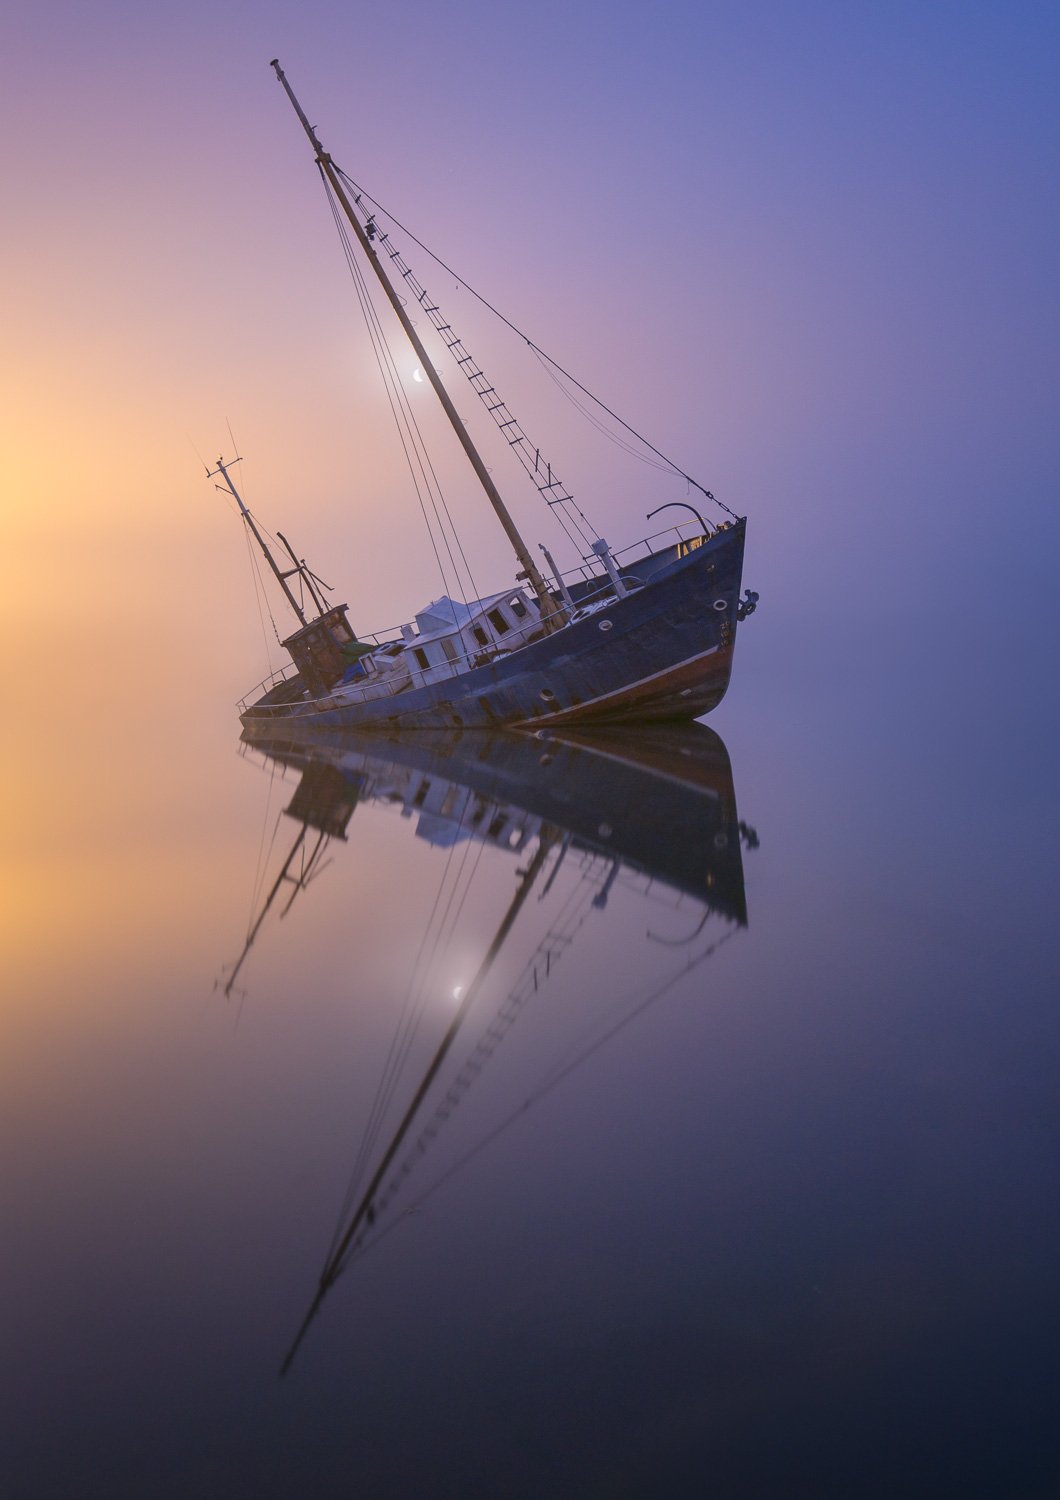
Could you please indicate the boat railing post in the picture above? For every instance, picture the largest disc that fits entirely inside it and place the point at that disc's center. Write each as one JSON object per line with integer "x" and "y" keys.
{"x": 603, "y": 552}
{"x": 564, "y": 591}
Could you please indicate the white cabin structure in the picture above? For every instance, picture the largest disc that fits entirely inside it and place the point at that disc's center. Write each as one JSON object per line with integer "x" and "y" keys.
{"x": 450, "y": 637}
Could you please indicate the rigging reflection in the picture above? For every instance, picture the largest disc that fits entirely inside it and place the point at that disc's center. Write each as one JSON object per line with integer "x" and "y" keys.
{"x": 656, "y": 808}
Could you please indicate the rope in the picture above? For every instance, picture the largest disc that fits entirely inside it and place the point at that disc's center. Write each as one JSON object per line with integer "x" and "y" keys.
{"x": 558, "y": 938}
{"x": 674, "y": 467}
{"x": 408, "y": 1021}
{"x": 434, "y": 486}
{"x": 263, "y": 855}
{"x": 583, "y": 410}
{"x": 554, "y": 943}
{"x": 404, "y": 418}
{"x": 261, "y": 598}
{"x": 368, "y": 314}
{"x": 550, "y": 488}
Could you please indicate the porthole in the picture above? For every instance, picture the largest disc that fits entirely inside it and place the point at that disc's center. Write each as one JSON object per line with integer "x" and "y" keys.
{"x": 720, "y": 604}
{"x": 605, "y": 624}
{"x": 548, "y": 695}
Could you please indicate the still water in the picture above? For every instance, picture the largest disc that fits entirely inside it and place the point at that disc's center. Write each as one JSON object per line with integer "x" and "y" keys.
{"x": 650, "y": 1114}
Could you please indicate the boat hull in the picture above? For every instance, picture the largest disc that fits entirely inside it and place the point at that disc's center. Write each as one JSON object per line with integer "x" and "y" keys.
{"x": 663, "y": 652}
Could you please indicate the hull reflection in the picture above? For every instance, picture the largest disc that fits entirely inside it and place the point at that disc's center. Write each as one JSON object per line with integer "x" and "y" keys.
{"x": 656, "y": 810}
{"x": 660, "y": 801}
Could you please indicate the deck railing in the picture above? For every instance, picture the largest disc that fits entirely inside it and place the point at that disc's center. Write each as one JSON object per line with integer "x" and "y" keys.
{"x": 380, "y": 687}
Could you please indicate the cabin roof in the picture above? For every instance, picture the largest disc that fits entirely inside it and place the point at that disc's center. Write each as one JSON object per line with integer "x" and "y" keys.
{"x": 444, "y": 616}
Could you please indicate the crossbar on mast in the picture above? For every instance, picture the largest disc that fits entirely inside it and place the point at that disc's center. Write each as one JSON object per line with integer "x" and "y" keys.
{"x": 281, "y": 576}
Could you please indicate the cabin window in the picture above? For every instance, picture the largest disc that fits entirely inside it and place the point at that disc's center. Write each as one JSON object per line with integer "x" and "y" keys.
{"x": 449, "y": 648}
{"x": 497, "y": 620}
{"x": 421, "y": 657}
{"x": 517, "y": 607}
{"x": 480, "y": 635}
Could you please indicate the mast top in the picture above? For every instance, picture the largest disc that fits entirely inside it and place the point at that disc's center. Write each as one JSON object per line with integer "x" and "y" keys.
{"x": 299, "y": 111}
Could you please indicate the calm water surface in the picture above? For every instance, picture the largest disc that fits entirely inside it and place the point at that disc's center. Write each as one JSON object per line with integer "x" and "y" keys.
{"x": 667, "y": 1115}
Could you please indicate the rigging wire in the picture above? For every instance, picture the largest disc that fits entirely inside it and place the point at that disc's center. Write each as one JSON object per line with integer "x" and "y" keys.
{"x": 404, "y": 418}
{"x": 198, "y": 455}
{"x": 382, "y": 361}
{"x": 417, "y": 990}
{"x": 263, "y": 855}
{"x": 278, "y": 543}
{"x": 559, "y": 936}
{"x": 676, "y": 468}
{"x": 555, "y": 494}
{"x": 550, "y": 1082}
{"x": 594, "y": 421}
{"x": 261, "y": 598}
{"x": 413, "y": 1005}
{"x": 400, "y": 1042}
{"x": 440, "y": 939}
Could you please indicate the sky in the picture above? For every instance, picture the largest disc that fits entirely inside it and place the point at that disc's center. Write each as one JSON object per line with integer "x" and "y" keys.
{"x": 809, "y": 251}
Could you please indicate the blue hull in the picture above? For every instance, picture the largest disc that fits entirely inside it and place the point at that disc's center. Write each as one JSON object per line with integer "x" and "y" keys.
{"x": 608, "y": 792}
{"x": 662, "y": 652}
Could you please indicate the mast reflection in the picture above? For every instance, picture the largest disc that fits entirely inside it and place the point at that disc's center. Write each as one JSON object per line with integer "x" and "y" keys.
{"x": 657, "y": 806}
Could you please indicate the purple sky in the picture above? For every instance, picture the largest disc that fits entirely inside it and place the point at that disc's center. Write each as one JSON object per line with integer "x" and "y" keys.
{"x": 810, "y": 250}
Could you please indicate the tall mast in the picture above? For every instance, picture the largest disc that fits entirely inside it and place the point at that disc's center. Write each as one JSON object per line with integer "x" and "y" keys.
{"x": 552, "y": 616}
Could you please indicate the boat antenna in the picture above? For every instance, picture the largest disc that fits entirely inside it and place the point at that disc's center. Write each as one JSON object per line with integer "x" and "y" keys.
{"x": 552, "y": 614}
{"x": 281, "y": 576}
